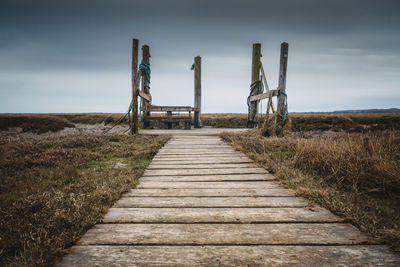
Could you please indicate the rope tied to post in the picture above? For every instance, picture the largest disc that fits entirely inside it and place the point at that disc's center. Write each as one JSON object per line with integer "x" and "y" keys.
{"x": 255, "y": 88}
{"x": 284, "y": 107}
{"x": 145, "y": 68}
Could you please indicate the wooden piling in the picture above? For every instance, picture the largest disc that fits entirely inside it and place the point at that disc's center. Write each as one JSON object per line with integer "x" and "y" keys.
{"x": 255, "y": 76}
{"x": 135, "y": 117}
{"x": 197, "y": 91}
{"x": 145, "y": 86}
{"x": 282, "y": 82}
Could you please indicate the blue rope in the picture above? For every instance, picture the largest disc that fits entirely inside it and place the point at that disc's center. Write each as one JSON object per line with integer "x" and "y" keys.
{"x": 284, "y": 107}
{"x": 146, "y": 68}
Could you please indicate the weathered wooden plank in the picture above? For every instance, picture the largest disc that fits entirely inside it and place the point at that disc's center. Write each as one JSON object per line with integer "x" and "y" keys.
{"x": 187, "y": 147}
{"x": 202, "y": 132}
{"x": 209, "y": 202}
{"x": 200, "y": 149}
{"x": 171, "y": 108}
{"x": 196, "y": 139}
{"x": 231, "y": 256}
{"x": 183, "y": 161}
{"x": 209, "y": 178}
{"x": 195, "y": 142}
{"x": 203, "y": 171}
{"x": 159, "y": 166}
{"x": 210, "y": 192}
{"x": 200, "y": 154}
{"x": 236, "y": 155}
{"x": 198, "y": 185}
{"x": 224, "y": 234}
{"x": 197, "y": 151}
{"x": 212, "y": 215}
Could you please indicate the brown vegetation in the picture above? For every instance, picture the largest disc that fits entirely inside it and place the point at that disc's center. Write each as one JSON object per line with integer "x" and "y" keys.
{"x": 362, "y": 122}
{"x": 54, "y": 188}
{"x": 354, "y": 175}
{"x": 34, "y": 122}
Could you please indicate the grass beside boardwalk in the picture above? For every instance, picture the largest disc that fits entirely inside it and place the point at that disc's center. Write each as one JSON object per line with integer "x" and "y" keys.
{"x": 53, "y": 189}
{"x": 354, "y": 175}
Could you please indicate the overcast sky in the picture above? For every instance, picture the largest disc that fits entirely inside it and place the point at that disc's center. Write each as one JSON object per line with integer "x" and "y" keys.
{"x": 75, "y": 55}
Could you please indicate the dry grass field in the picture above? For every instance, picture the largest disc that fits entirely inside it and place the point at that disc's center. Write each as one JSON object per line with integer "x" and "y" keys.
{"x": 355, "y": 175}
{"x": 54, "y": 188}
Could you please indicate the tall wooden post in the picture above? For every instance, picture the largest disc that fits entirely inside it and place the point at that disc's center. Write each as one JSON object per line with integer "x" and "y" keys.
{"x": 197, "y": 91}
{"x": 281, "y": 109}
{"x": 135, "y": 117}
{"x": 255, "y": 76}
{"x": 145, "y": 85}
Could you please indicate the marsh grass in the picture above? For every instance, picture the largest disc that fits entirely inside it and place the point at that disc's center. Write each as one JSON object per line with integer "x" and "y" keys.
{"x": 54, "y": 188}
{"x": 34, "y": 122}
{"x": 356, "y": 176}
{"x": 362, "y": 122}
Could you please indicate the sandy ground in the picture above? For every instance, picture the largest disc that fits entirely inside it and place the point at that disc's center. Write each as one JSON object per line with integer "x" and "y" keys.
{"x": 16, "y": 133}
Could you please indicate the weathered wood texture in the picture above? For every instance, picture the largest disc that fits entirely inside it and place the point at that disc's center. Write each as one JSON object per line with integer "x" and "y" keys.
{"x": 255, "y": 76}
{"x": 209, "y": 192}
{"x": 225, "y": 234}
{"x": 203, "y": 146}
{"x": 197, "y": 91}
{"x": 214, "y": 150}
{"x": 282, "y": 79}
{"x": 200, "y": 160}
{"x": 193, "y": 202}
{"x": 145, "y": 86}
{"x": 209, "y": 178}
{"x": 213, "y": 215}
{"x": 204, "y": 171}
{"x": 199, "y": 156}
{"x": 158, "y": 166}
{"x": 209, "y": 184}
{"x": 199, "y": 132}
{"x": 230, "y": 256}
{"x": 135, "y": 112}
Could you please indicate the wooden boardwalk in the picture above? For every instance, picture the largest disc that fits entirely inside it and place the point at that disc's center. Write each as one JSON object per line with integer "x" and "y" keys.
{"x": 202, "y": 203}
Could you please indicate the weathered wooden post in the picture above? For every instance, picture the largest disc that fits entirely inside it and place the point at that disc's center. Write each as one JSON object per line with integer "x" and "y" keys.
{"x": 255, "y": 76}
{"x": 146, "y": 84}
{"x": 135, "y": 117}
{"x": 197, "y": 91}
{"x": 282, "y": 98}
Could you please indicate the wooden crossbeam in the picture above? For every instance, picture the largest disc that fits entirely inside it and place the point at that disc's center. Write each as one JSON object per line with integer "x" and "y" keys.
{"x": 172, "y": 108}
{"x": 145, "y": 96}
{"x": 270, "y": 93}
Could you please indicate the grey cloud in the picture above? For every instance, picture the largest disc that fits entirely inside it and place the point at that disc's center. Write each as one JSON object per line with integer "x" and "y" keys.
{"x": 328, "y": 40}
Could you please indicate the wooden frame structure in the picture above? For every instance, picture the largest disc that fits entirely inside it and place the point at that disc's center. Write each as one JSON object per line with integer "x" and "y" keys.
{"x": 258, "y": 84}
{"x": 141, "y": 75}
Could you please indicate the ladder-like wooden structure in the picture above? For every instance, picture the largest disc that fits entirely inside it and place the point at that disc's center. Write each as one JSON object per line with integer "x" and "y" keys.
{"x": 141, "y": 76}
{"x": 258, "y": 84}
